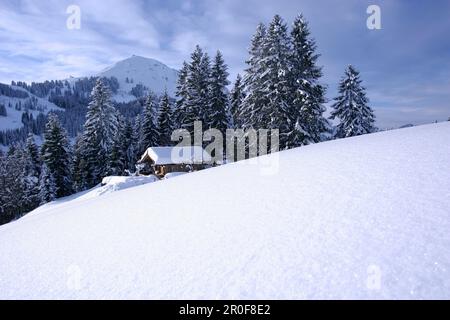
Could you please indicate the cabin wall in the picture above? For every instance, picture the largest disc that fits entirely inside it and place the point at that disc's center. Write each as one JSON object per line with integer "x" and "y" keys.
{"x": 162, "y": 170}
{"x": 149, "y": 167}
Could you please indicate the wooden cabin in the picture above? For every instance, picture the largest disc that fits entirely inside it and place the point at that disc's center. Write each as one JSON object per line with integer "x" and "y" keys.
{"x": 163, "y": 160}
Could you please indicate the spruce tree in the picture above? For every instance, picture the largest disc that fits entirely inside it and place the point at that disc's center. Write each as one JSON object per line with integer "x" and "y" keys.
{"x": 136, "y": 137}
{"x": 79, "y": 166}
{"x": 32, "y": 152}
{"x": 351, "y": 107}
{"x": 266, "y": 82}
{"x": 100, "y": 129}
{"x": 149, "y": 132}
{"x": 236, "y": 100}
{"x": 128, "y": 148}
{"x": 56, "y": 155}
{"x": 12, "y": 185}
{"x": 165, "y": 125}
{"x": 47, "y": 186}
{"x": 274, "y": 112}
{"x": 217, "y": 116}
{"x": 203, "y": 88}
{"x": 253, "y": 88}
{"x": 307, "y": 123}
{"x": 4, "y": 194}
{"x": 196, "y": 104}
{"x": 181, "y": 95}
{"x": 31, "y": 170}
{"x": 117, "y": 159}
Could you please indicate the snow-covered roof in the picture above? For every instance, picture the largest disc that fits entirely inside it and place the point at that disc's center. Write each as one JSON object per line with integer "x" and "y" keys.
{"x": 176, "y": 155}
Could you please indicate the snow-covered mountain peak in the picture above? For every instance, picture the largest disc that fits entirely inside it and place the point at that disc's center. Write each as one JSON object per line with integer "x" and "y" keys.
{"x": 135, "y": 70}
{"x": 136, "y": 61}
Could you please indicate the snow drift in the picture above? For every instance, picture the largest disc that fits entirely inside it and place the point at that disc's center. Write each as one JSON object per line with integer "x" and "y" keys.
{"x": 364, "y": 217}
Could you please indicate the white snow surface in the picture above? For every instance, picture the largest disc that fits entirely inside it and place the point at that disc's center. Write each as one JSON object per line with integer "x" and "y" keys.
{"x": 174, "y": 174}
{"x": 117, "y": 183}
{"x": 149, "y": 72}
{"x": 364, "y": 217}
{"x": 109, "y": 184}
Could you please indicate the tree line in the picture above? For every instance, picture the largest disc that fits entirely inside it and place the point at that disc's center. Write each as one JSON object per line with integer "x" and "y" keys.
{"x": 280, "y": 89}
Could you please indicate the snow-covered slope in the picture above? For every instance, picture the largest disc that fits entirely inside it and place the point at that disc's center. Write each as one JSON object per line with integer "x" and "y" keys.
{"x": 13, "y": 120}
{"x": 148, "y": 72}
{"x": 364, "y": 217}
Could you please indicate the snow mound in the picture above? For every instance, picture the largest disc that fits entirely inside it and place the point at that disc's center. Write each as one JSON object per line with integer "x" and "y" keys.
{"x": 119, "y": 183}
{"x": 109, "y": 184}
{"x": 116, "y": 183}
{"x": 363, "y": 217}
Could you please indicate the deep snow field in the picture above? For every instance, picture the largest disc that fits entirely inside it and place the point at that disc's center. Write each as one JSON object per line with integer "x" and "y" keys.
{"x": 364, "y": 217}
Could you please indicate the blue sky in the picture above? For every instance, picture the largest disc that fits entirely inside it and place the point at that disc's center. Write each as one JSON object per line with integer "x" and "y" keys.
{"x": 405, "y": 65}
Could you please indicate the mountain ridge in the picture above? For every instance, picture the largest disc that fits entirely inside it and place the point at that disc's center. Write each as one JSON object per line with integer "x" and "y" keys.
{"x": 130, "y": 72}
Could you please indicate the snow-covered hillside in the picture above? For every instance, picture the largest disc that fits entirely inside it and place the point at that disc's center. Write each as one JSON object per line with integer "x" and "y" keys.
{"x": 363, "y": 217}
{"x": 148, "y": 72}
{"x": 13, "y": 120}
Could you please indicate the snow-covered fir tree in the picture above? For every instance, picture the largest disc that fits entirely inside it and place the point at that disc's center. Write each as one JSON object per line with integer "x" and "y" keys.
{"x": 308, "y": 96}
{"x": 268, "y": 100}
{"x": 181, "y": 94}
{"x": 3, "y": 189}
{"x": 117, "y": 165}
{"x": 254, "y": 91}
{"x": 136, "y": 137}
{"x": 236, "y": 99}
{"x": 56, "y": 154}
{"x": 149, "y": 133}
{"x": 31, "y": 170}
{"x": 281, "y": 84}
{"x": 217, "y": 116}
{"x": 274, "y": 113}
{"x": 123, "y": 157}
{"x": 11, "y": 185}
{"x": 204, "y": 78}
{"x": 165, "y": 125}
{"x": 196, "y": 103}
{"x": 100, "y": 129}
{"x": 33, "y": 153}
{"x": 79, "y": 166}
{"x": 351, "y": 107}
{"x": 127, "y": 147}
{"x": 47, "y": 186}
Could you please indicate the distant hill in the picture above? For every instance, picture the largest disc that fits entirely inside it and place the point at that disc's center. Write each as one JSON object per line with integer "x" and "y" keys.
{"x": 136, "y": 70}
{"x": 129, "y": 81}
